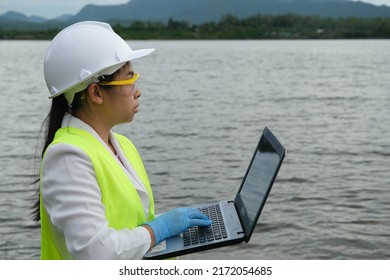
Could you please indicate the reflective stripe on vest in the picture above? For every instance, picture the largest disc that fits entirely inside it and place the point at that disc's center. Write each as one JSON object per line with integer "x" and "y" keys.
{"x": 122, "y": 203}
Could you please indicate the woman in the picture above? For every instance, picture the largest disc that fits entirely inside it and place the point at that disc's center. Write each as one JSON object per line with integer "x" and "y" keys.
{"x": 95, "y": 197}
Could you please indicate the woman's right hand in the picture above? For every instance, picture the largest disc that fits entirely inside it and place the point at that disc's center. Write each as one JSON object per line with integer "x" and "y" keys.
{"x": 177, "y": 221}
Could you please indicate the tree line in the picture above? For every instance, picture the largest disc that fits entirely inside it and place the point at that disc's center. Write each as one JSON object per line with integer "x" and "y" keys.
{"x": 287, "y": 26}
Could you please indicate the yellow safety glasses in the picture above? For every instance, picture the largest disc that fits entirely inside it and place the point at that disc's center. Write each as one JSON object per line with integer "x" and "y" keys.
{"x": 130, "y": 81}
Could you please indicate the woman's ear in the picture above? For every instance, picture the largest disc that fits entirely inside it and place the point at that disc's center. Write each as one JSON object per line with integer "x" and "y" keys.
{"x": 94, "y": 93}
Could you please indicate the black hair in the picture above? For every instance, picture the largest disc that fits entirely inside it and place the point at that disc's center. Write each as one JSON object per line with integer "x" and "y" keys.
{"x": 51, "y": 124}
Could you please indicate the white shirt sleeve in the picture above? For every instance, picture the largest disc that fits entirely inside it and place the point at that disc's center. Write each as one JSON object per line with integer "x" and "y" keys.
{"x": 72, "y": 199}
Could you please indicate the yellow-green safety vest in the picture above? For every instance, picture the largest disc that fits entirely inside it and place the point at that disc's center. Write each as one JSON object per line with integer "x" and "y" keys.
{"x": 122, "y": 203}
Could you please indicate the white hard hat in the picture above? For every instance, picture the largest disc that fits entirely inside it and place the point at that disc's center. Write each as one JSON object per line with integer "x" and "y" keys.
{"x": 82, "y": 52}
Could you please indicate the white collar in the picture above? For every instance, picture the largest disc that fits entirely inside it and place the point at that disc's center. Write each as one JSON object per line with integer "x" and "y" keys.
{"x": 72, "y": 121}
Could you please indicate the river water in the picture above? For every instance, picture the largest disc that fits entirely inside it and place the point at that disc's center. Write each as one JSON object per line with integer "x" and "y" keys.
{"x": 203, "y": 107}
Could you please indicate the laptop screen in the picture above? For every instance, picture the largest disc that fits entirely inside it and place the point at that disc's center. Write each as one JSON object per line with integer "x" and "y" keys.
{"x": 258, "y": 180}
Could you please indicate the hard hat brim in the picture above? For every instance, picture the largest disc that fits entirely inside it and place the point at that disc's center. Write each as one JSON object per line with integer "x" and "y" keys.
{"x": 139, "y": 53}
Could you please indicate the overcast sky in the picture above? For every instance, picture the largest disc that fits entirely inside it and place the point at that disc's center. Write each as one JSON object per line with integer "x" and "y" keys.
{"x": 54, "y": 8}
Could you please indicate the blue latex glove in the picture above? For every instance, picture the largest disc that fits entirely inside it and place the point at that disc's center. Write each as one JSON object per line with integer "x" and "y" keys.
{"x": 176, "y": 221}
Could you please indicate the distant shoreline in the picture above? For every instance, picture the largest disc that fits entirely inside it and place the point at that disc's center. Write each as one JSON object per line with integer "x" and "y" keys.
{"x": 232, "y": 28}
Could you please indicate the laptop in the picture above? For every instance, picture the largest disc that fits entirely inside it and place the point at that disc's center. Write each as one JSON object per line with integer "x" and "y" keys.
{"x": 233, "y": 221}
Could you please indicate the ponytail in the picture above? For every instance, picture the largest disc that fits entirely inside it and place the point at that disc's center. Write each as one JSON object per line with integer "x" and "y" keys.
{"x": 50, "y": 125}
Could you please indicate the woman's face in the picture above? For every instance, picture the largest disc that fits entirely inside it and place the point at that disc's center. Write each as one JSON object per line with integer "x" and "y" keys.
{"x": 122, "y": 100}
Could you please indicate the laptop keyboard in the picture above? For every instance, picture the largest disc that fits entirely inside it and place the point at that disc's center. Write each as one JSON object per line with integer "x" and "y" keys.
{"x": 215, "y": 231}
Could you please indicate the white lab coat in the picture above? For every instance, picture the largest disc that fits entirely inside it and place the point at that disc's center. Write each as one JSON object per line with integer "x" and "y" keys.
{"x": 72, "y": 198}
